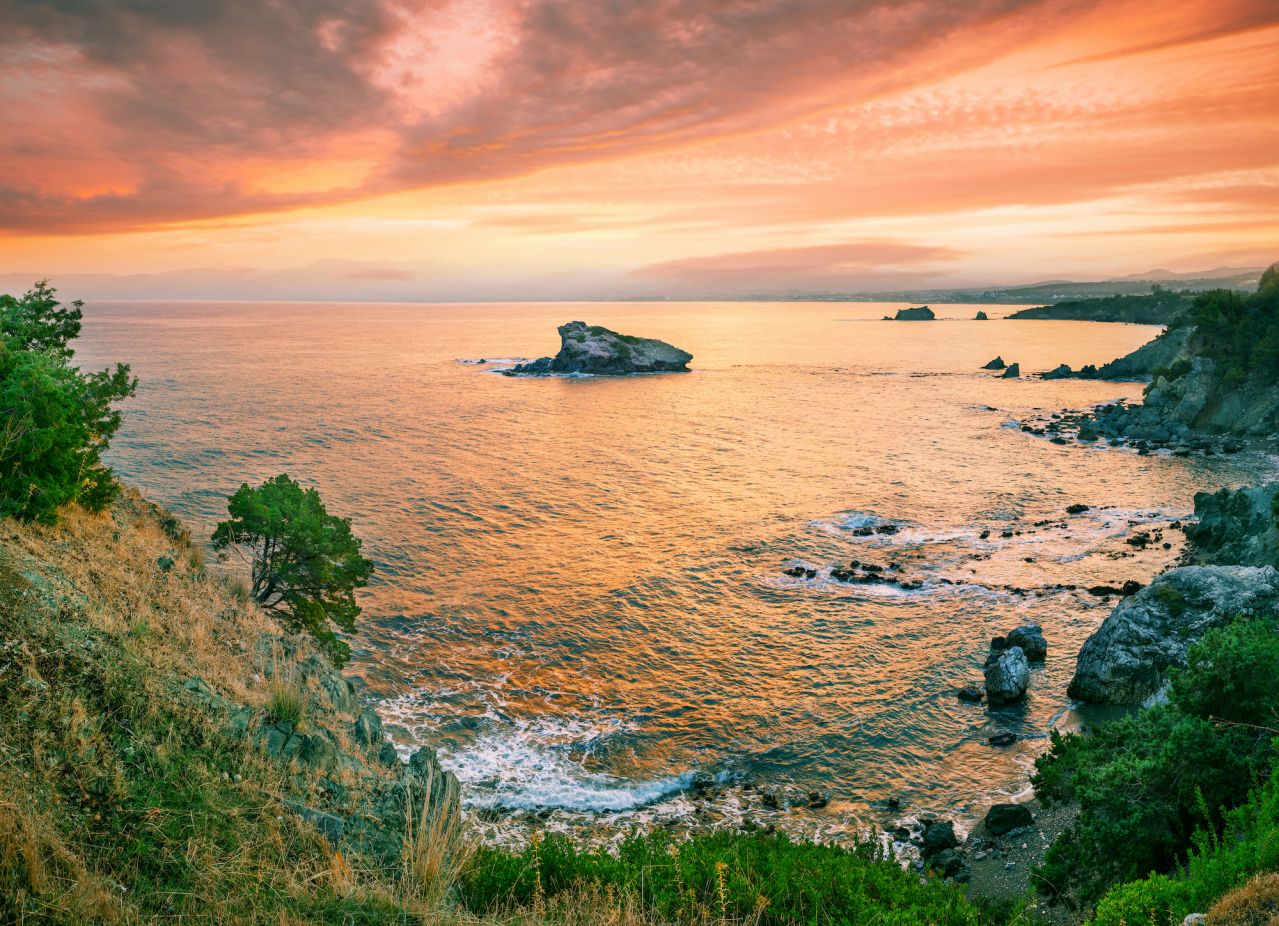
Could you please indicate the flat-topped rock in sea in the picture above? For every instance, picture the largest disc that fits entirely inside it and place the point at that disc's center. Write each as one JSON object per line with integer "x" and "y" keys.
{"x": 597, "y": 350}
{"x": 918, "y": 314}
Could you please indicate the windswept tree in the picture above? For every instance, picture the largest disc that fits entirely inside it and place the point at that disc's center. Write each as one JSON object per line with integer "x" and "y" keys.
{"x": 55, "y": 420}
{"x": 305, "y": 563}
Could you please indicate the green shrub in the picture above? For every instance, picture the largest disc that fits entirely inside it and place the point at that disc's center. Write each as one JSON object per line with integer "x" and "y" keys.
{"x": 304, "y": 563}
{"x": 1241, "y": 333}
{"x": 722, "y": 876}
{"x": 1145, "y": 784}
{"x": 1248, "y": 844}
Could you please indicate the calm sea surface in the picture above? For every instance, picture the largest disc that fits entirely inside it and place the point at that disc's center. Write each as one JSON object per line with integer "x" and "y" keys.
{"x": 580, "y": 598}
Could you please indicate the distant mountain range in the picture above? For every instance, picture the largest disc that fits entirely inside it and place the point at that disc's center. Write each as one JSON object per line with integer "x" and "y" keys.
{"x": 369, "y": 281}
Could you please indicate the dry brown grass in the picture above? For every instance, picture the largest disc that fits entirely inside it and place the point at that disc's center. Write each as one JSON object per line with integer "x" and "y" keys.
{"x": 1254, "y": 904}
{"x": 436, "y": 845}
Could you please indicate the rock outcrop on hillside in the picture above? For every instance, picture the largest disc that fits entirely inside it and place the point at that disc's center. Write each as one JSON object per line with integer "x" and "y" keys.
{"x": 1127, "y": 660}
{"x": 1238, "y": 527}
{"x": 1190, "y": 402}
{"x": 598, "y": 351}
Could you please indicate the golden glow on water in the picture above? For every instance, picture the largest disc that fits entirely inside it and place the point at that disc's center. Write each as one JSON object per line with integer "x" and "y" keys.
{"x": 580, "y": 594}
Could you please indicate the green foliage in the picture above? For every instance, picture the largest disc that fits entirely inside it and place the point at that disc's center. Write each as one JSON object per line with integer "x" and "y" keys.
{"x": 722, "y": 877}
{"x": 38, "y": 322}
{"x": 1248, "y": 844}
{"x": 55, "y": 421}
{"x": 1145, "y": 784}
{"x": 1240, "y": 334}
{"x": 1231, "y": 676}
{"x": 305, "y": 563}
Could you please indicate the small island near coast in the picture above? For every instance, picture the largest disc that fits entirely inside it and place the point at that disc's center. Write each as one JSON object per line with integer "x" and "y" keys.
{"x": 766, "y": 463}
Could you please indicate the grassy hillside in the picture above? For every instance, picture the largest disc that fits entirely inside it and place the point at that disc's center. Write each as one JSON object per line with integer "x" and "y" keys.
{"x": 168, "y": 756}
{"x": 143, "y": 776}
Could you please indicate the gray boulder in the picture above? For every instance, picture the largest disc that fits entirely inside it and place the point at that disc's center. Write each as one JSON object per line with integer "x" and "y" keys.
{"x": 1030, "y": 637}
{"x": 368, "y": 728}
{"x": 1127, "y": 660}
{"x": 593, "y": 349}
{"x": 1007, "y": 675}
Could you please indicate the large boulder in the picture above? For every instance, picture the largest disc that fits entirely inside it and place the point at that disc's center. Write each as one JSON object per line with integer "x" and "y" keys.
{"x": 996, "y": 364}
{"x": 1127, "y": 660}
{"x": 1007, "y": 675}
{"x": 1012, "y": 372}
{"x": 1003, "y": 818}
{"x": 593, "y": 349}
{"x": 938, "y": 836}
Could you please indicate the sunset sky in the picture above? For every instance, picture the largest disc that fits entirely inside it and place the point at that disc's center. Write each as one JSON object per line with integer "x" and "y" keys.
{"x": 565, "y": 149}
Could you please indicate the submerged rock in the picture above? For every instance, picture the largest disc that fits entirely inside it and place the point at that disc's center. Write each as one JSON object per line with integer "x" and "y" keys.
{"x": 1061, "y": 372}
{"x": 1127, "y": 660}
{"x": 981, "y": 317}
{"x": 596, "y": 350}
{"x": 919, "y": 314}
{"x": 1007, "y": 675}
{"x": 1013, "y": 371}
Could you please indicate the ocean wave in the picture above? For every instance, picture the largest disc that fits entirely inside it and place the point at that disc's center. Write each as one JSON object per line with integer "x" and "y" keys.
{"x": 541, "y": 765}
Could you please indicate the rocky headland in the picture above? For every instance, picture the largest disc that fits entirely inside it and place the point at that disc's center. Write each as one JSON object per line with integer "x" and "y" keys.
{"x": 1158, "y": 308}
{"x": 1228, "y": 573}
{"x": 595, "y": 350}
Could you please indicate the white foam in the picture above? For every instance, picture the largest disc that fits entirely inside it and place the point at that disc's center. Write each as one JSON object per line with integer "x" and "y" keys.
{"x": 540, "y": 765}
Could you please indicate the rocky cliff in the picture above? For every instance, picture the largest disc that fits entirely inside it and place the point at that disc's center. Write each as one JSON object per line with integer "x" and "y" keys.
{"x": 596, "y": 350}
{"x": 1234, "y": 546}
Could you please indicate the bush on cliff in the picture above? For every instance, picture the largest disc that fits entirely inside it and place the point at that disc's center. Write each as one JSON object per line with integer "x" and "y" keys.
{"x": 721, "y": 877}
{"x": 305, "y": 563}
{"x": 55, "y": 420}
{"x": 1146, "y": 783}
{"x": 1240, "y": 334}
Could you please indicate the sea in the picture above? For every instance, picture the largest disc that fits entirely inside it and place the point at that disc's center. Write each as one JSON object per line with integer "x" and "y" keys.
{"x": 582, "y": 598}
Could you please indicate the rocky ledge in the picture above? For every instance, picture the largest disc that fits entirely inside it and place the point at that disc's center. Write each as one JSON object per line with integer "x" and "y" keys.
{"x": 1127, "y": 660}
{"x": 596, "y": 350}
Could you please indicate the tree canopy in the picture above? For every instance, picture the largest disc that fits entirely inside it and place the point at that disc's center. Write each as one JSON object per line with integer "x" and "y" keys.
{"x": 305, "y": 563}
{"x": 55, "y": 420}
